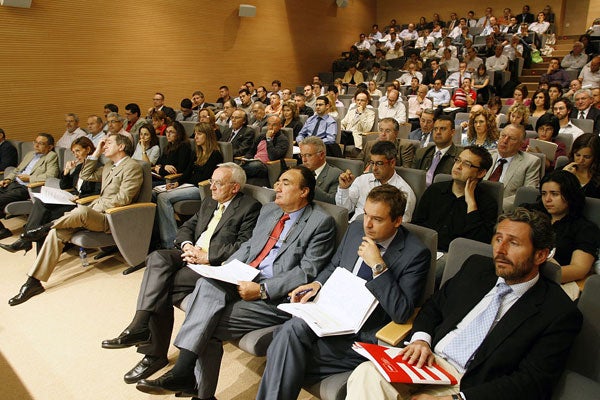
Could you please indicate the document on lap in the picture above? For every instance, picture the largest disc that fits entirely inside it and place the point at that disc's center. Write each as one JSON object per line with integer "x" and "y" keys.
{"x": 341, "y": 307}
{"x": 389, "y": 363}
{"x": 51, "y": 195}
{"x": 232, "y": 272}
{"x": 163, "y": 188}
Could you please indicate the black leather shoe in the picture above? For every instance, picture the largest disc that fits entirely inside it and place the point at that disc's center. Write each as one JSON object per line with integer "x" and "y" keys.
{"x": 38, "y": 233}
{"x": 146, "y": 367}
{"x": 167, "y": 384}
{"x": 28, "y": 290}
{"x": 5, "y": 233}
{"x": 128, "y": 339}
{"x": 20, "y": 244}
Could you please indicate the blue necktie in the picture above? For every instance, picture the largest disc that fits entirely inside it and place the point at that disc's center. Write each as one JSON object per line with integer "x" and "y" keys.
{"x": 365, "y": 271}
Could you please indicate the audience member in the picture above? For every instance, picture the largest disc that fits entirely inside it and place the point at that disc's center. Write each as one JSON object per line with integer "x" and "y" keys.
{"x": 584, "y": 163}
{"x": 186, "y": 113}
{"x": 576, "y": 59}
{"x": 274, "y": 108}
{"x": 259, "y": 115}
{"x": 160, "y": 122}
{"x": 434, "y": 74}
{"x": 562, "y": 109}
{"x": 313, "y": 155}
{"x": 73, "y": 131}
{"x": 224, "y": 96}
{"x": 389, "y": 128}
{"x": 423, "y": 133}
{"x": 240, "y": 135}
{"x": 289, "y": 111}
{"x": 547, "y": 127}
{"x": 198, "y": 101}
{"x": 158, "y": 102}
{"x": 134, "y": 120}
{"x": 8, "y": 152}
{"x": 245, "y": 103}
{"x": 518, "y": 116}
{"x": 540, "y": 103}
{"x": 464, "y": 96}
{"x": 223, "y": 118}
{"x": 584, "y": 109}
{"x": 590, "y": 73}
{"x": 520, "y": 94}
{"x": 207, "y": 116}
{"x": 321, "y": 124}
{"x": 147, "y": 148}
{"x": 176, "y": 156}
{"x": 482, "y": 129}
{"x": 456, "y": 78}
{"x": 555, "y": 74}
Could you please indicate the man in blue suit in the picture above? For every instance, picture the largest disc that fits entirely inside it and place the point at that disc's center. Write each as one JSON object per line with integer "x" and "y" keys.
{"x": 394, "y": 264}
{"x": 292, "y": 241}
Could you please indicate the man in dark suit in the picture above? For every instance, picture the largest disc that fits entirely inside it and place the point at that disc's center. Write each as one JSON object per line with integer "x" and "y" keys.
{"x": 313, "y": 155}
{"x": 121, "y": 179}
{"x": 434, "y": 73}
{"x": 36, "y": 166}
{"x": 525, "y": 16}
{"x": 394, "y": 264}
{"x": 584, "y": 108}
{"x": 8, "y": 152}
{"x": 240, "y": 136}
{"x": 498, "y": 326}
{"x": 389, "y": 128}
{"x": 424, "y": 133}
{"x": 216, "y": 231}
{"x": 292, "y": 241}
{"x": 438, "y": 159}
{"x": 158, "y": 102}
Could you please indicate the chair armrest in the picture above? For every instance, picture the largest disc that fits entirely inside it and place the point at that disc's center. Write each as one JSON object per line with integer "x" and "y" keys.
{"x": 287, "y": 160}
{"x": 204, "y": 187}
{"x": 36, "y": 184}
{"x": 204, "y": 183}
{"x": 394, "y": 333}
{"x": 172, "y": 177}
{"x": 133, "y": 206}
{"x": 88, "y": 199}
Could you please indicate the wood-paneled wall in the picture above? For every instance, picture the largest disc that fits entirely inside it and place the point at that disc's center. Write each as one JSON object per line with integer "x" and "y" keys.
{"x": 75, "y": 55}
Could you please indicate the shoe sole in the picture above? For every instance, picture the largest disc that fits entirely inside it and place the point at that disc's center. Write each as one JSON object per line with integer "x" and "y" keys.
{"x": 124, "y": 346}
{"x": 148, "y": 372}
{"x": 155, "y": 390}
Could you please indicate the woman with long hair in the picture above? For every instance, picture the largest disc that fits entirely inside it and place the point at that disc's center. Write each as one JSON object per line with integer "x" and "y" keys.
{"x": 520, "y": 94}
{"x": 290, "y": 117}
{"x": 147, "y": 148}
{"x": 482, "y": 130}
{"x": 177, "y": 155}
{"x": 206, "y": 159}
{"x": 43, "y": 213}
{"x": 540, "y": 103}
{"x": 160, "y": 122}
{"x": 207, "y": 116}
{"x": 585, "y": 163}
{"x": 481, "y": 83}
{"x": 577, "y": 239}
{"x": 518, "y": 115}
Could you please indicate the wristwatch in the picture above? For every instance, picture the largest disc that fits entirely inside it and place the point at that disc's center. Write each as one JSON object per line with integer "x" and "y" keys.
{"x": 263, "y": 292}
{"x": 379, "y": 268}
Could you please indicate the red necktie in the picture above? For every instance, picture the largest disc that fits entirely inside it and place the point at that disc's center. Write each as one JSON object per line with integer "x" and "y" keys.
{"x": 495, "y": 176}
{"x": 273, "y": 238}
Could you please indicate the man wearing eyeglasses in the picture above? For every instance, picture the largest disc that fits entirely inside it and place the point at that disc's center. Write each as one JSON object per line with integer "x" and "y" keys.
{"x": 223, "y": 223}
{"x": 352, "y": 191}
{"x": 158, "y": 104}
{"x": 36, "y": 166}
{"x": 73, "y": 131}
{"x": 313, "y": 154}
{"x": 116, "y": 125}
{"x": 458, "y": 207}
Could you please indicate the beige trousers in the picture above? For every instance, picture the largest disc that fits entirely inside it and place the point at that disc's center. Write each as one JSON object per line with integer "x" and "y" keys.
{"x": 367, "y": 383}
{"x": 82, "y": 217}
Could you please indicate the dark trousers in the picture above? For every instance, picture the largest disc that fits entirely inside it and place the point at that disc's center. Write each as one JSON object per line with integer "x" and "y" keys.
{"x": 13, "y": 192}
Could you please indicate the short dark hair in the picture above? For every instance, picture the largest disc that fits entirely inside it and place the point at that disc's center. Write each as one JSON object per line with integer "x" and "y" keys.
{"x": 447, "y": 118}
{"x": 224, "y": 87}
{"x": 484, "y": 155}
{"x": 133, "y": 108}
{"x": 47, "y": 136}
{"x": 392, "y": 196}
{"x": 550, "y": 120}
{"x": 541, "y": 235}
{"x": 199, "y": 93}
{"x": 186, "y": 103}
{"x": 112, "y": 107}
{"x": 568, "y": 103}
{"x": 323, "y": 98}
{"x": 244, "y": 90}
{"x": 276, "y": 82}
{"x": 570, "y": 190}
{"x": 384, "y": 148}
{"x": 308, "y": 181}
{"x": 333, "y": 88}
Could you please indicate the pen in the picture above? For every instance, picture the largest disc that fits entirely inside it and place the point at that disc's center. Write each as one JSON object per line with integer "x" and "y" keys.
{"x": 300, "y": 293}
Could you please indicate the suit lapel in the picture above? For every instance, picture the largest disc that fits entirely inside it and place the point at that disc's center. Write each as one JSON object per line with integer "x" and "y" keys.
{"x": 229, "y": 212}
{"x": 322, "y": 175}
{"x": 513, "y": 167}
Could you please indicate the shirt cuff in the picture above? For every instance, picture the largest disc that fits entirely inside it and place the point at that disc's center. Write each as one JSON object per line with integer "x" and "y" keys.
{"x": 184, "y": 243}
{"x": 426, "y": 337}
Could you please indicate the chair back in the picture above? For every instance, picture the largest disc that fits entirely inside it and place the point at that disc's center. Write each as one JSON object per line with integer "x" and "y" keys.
{"x": 162, "y": 143}
{"x": 145, "y": 195}
{"x": 261, "y": 194}
{"x": 189, "y": 127}
{"x": 542, "y": 157}
{"x": 227, "y": 151}
{"x": 526, "y": 195}
{"x": 303, "y": 118}
{"x": 493, "y": 189}
{"x": 340, "y": 215}
{"x": 586, "y": 125}
{"x": 415, "y": 179}
{"x": 561, "y": 162}
{"x": 17, "y": 145}
{"x": 566, "y": 139}
{"x": 60, "y": 153}
{"x": 26, "y": 147}
{"x": 355, "y": 166}
{"x": 591, "y": 210}
{"x": 429, "y": 237}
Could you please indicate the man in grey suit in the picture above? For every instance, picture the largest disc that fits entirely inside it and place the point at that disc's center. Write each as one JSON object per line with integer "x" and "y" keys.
{"x": 216, "y": 231}
{"x": 240, "y": 136}
{"x": 438, "y": 159}
{"x": 394, "y": 264}
{"x": 292, "y": 241}
{"x": 424, "y": 133}
{"x": 513, "y": 167}
{"x": 313, "y": 154}
{"x": 36, "y": 166}
{"x": 389, "y": 128}
{"x": 121, "y": 179}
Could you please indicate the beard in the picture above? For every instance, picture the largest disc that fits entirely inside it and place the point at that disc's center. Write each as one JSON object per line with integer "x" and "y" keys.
{"x": 511, "y": 271}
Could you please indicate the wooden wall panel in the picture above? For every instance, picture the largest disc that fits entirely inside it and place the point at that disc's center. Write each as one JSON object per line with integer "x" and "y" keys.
{"x": 76, "y": 55}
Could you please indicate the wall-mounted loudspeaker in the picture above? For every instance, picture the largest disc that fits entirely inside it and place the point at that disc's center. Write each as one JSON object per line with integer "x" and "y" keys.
{"x": 342, "y": 3}
{"x": 247, "y": 10}
{"x": 16, "y": 3}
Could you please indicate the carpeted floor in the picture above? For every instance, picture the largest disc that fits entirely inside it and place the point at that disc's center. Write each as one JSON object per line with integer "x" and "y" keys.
{"x": 50, "y": 345}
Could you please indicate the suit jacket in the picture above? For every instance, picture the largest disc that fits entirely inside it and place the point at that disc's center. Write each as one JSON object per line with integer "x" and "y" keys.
{"x": 430, "y": 78}
{"x": 398, "y": 289}
{"x": 8, "y": 155}
{"x": 242, "y": 142}
{"x": 46, "y": 167}
{"x": 524, "y": 170}
{"x": 417, "y": 134}
{"x": 327, "y": 184}
{"x": 307, "y": 248}
{"x": 70, "y": 181}
{"x": 424, "y": 157}
{"x": 404, "y": 157}
{"x": 593, "y": 114}
{"x": 120, "y": 185}
{"x": 378, "y": 78}
{"x": 277, "y": 147}
{"x": 234, "y": 228}
{"x": 525, "y": 353}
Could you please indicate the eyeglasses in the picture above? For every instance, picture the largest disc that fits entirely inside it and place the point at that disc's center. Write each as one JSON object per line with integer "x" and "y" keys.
{"x": 40, "y": 143}
{"x": 113, "y": 121}
{"x": 378, "y": 163}
{"x": 309, "y": 155}
{"x": 468, "y": 164}
{"x": 217, "y": 184}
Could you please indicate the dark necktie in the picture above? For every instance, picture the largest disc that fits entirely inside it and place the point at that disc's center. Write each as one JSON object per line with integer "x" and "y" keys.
{"x": 495, "y": 176}
{"x": 365, "y": 271}
{"x": 581, "y": 115}
{"x": 273, "y": 238}
{"x": 316, "y": 128}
